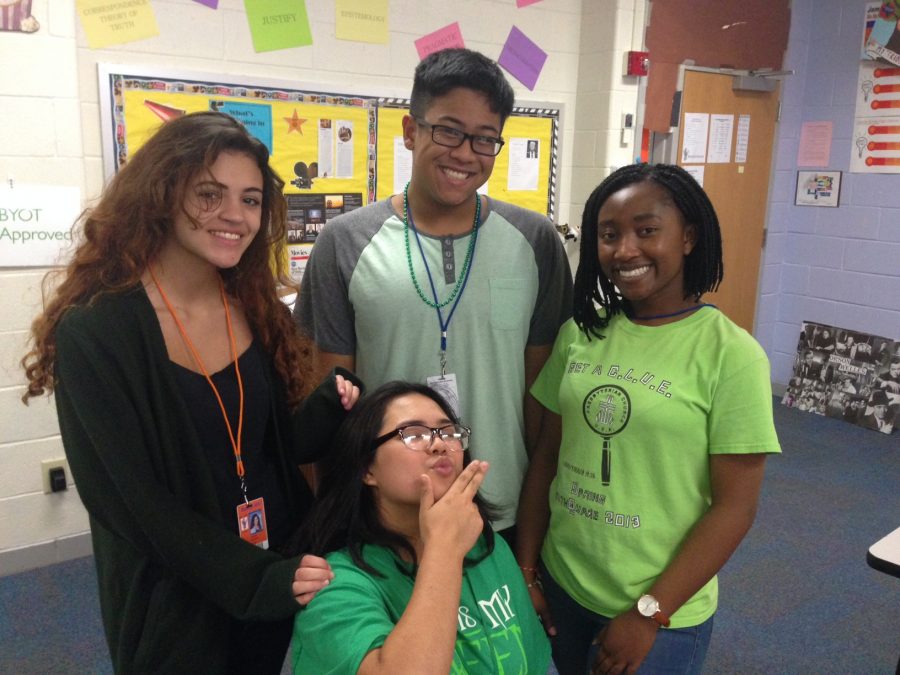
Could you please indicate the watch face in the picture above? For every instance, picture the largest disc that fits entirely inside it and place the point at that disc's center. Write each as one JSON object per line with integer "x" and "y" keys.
{"x": 647, "y": 605}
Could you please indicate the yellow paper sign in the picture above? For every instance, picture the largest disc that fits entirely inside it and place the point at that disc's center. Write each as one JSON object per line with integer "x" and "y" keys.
{"x": 362, "y": 20}
{"x": 115, "y": 22}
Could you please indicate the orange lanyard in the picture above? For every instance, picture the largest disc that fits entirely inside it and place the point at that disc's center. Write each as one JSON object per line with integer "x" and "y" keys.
{"x": 235, "y": 441}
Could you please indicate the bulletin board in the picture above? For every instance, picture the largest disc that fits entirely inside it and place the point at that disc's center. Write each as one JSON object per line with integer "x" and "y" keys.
{"x": 335, "y": 151}
{"x": 524, "y": 172}
{"x": 330, "y": 133}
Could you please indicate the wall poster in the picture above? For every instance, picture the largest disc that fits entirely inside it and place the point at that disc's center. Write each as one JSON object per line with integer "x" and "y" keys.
{"x": 818, "y": 188}
{"x": 847, "y": 375}
{"x": 883, "y": 38}
{"x": 875, "y": 143}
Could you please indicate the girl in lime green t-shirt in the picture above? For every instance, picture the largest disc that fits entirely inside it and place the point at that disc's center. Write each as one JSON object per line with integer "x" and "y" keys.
{"x": 657, "y": 423}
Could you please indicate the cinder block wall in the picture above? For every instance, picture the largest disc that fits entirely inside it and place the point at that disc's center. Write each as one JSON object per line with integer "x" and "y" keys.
{"x": 41, "y": 142}
{"x": 50, "y": 134}
{"x": 837, "y": 266}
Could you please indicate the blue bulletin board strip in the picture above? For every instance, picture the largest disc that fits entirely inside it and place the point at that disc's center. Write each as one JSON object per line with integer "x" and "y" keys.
{"x": 256, "y": 118}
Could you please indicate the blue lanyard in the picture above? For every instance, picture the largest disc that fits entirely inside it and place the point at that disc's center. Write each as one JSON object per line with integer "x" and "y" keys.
{"x": 444, "y": 324}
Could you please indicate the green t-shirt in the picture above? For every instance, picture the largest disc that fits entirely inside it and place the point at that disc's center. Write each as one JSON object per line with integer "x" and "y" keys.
{"x": 497, "y": 629}
{"x": 657, "y": 401}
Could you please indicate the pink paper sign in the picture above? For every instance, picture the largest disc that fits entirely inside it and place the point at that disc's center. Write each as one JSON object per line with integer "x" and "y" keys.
{"x": 815, "y": 144}
{"x": 522, "y": 58}
{"x": 525, "y": 3}
{"x": 212, "y": 4}
{"x": 443, "y": 38}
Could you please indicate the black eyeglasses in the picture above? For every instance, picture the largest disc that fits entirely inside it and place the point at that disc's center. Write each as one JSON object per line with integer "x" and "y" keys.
{"x": 453, "y": 138}
{"x": 420, "y": 438}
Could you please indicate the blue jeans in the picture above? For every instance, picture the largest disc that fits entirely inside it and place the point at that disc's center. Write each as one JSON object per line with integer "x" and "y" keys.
{"x": 675, "y": 650}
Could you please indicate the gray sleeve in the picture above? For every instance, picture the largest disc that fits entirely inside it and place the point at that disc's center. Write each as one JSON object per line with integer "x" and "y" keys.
{"x": 554, "y": 302}
{"x": 324, "y": 311}
{"x": 553, "y": 306}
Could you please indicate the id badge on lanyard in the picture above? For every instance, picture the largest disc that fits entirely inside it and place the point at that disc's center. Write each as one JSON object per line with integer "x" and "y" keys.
{"x": 445, "y": 385}
{"x": 252, "y": 525}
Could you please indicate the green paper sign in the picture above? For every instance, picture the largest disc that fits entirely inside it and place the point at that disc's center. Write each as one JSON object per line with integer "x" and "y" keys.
{"x": 278, "y": 24}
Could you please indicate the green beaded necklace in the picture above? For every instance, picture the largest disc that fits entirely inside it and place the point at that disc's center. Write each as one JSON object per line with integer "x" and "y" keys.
{"x": 466, "y": 263}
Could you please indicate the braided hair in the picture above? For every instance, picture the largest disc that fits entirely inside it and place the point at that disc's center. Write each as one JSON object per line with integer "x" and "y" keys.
{"x": 703, "y": 267}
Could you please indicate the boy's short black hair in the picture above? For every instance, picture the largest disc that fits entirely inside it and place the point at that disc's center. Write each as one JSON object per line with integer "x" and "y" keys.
{"x": 439, "y": 73}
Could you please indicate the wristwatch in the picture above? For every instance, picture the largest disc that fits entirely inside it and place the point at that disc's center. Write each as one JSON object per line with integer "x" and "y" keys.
{"x": 648, "y": 606}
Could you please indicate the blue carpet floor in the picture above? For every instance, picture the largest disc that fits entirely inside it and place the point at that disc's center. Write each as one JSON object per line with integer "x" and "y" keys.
{"x": 796, "y": 598}
{"x": 50, "y": 621}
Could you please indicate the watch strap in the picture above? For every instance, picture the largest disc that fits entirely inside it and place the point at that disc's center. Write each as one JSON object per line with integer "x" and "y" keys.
{"x": 662, "y": 619}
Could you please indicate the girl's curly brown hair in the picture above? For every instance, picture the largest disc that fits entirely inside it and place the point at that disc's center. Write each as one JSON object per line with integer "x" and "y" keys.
{"x": 126, "y": 230}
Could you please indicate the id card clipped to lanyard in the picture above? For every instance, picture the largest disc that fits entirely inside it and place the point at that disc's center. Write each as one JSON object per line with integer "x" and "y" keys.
{"x": 445, "y": 383}
{"x": 251, "y": 514}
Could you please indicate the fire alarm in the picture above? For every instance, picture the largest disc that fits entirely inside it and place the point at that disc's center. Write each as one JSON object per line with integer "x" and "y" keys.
{"x": 637, "y": 63}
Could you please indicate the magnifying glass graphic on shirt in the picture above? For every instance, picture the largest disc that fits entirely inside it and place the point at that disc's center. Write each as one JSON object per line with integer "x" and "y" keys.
{"x": 607, "y": 410}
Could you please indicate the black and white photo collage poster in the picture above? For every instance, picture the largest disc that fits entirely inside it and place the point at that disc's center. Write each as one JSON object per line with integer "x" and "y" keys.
{"x": 847, "y": 375}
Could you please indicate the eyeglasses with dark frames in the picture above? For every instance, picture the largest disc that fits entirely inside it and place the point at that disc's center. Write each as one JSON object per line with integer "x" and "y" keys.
{"x": 453, "y": 138}
{"x": 420, "y": 438}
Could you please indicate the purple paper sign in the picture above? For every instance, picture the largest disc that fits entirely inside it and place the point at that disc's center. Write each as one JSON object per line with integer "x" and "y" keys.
{"x": 522, "y": 58}
{"x": 212, "y": 4}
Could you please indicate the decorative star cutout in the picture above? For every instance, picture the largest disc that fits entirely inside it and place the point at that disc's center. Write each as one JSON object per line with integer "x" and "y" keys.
{"x": 294, "y": 123}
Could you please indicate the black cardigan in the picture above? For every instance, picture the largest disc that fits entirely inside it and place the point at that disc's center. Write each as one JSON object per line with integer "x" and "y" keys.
{"x": 172, "y": 576}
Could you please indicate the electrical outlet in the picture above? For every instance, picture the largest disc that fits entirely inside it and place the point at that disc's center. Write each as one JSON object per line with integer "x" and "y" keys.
{"x": 48, "y": 464}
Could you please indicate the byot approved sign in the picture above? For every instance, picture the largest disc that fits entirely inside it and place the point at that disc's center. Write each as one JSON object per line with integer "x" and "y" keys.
{"x": 36, "y": 224}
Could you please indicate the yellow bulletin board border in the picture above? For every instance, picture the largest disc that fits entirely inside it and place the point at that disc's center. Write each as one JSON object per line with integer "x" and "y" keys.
{"x": 357, "y": 132}
{"x": 319, "y": 142}
{"x": 527, "y": 123}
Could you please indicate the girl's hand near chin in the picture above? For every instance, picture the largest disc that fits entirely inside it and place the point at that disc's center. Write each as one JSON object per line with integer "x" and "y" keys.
{"x": 453, "y": 522}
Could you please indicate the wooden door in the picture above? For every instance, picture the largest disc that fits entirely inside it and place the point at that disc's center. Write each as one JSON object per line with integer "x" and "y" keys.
{"x": 739, "y": 192}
